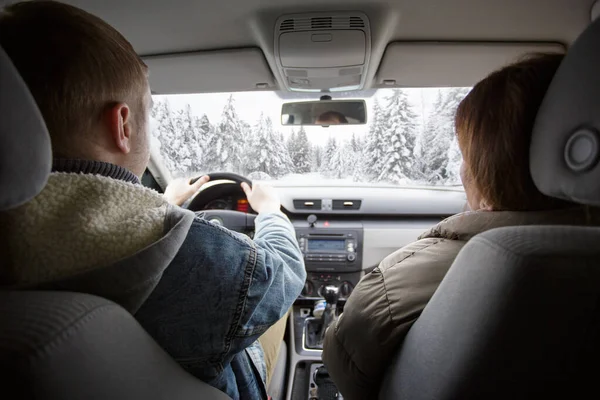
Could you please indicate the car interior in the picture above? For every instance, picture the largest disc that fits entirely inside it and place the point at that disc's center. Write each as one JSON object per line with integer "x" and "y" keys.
{"x": 525, "y": 326}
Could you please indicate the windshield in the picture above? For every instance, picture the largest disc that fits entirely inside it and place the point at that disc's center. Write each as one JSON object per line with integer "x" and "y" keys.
{"x": 408, "y": 139}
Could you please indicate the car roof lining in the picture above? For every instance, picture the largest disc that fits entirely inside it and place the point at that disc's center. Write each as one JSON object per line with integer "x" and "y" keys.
{"x": 183, "y": 26}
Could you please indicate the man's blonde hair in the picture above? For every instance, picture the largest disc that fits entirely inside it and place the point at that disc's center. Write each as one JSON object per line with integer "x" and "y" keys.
{"x": 74, "y": 63}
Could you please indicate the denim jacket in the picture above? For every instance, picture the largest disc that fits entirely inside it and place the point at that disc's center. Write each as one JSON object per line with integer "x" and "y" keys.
{"x": 204, "y": 293}
{"x": 220, "y": 293}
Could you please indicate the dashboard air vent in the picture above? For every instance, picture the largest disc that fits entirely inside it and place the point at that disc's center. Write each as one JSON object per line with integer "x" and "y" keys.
{"x": 287, "y": 25}
{"x": 356, "y": 22}
{"x": 346, "y": 204}
{"x": 321, "y": 23}
{"x": 307, "y": 204}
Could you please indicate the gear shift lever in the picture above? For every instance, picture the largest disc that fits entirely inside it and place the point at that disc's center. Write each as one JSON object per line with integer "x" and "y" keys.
{"x": 315, "y": 327}
{"x": 331, "y": 295}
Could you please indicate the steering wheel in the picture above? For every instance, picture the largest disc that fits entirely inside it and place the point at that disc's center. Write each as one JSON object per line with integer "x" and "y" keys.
{"x": 233, "y": 220}
{"x": 224, "y": 176}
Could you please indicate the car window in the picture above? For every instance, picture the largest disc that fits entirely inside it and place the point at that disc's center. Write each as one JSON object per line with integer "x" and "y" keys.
{"x": 408, "y": 140}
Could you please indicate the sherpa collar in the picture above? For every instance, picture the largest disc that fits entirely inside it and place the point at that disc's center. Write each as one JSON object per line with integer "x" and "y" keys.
{"x": 94, "y": 167}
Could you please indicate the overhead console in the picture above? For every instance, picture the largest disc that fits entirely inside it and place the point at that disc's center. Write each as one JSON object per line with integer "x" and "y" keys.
{"x": 323, "y": 51}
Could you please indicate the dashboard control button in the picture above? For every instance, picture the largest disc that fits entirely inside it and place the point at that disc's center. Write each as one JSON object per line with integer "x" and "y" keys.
{"x": 351, "y": 257}
{"x": 320, "y": 290}
{"x": 346, "y": 288}
{"x": 308, "y": 289}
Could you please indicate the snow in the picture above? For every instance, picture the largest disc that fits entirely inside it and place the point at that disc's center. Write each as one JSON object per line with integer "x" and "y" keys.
{"x": 404, "y": 145}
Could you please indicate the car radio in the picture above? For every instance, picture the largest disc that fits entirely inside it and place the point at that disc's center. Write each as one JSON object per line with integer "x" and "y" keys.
{"x": 331, "y": 249}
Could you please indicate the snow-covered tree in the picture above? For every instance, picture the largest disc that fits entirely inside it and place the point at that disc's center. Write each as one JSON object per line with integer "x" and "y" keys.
{"x": 346, "y": 159}
{"x": 204, "y": 127}
{"x": 229, "y": 142}
{"x": 454, "y": 161}
{"x": 356, "y": 161}
{"x": 167, "y": 134}
{"x": 181, "y": 138}
{"x": 356, "y": 143}
{"x": 189, "y": 142}
{"x": 316, "y": 158}
{"x": 399, "y": 137}
{"x": 389, "y": 152}
{"x": 375, "y": 147}
{"x": 245, "y": 144}
{"x": 267, "y": 150}
{"x": 291, "y": 144}
{"x": 338, "y": 163}
{"x": 453, "y": 99}
{"x": 329, "y": 153}
{"x": 299, "y": 150}
{"x": 283, "y": 152}
{"x": 207, "y": 135}
{"x": 438, "y": 139}
{"x": 435, "y": 142}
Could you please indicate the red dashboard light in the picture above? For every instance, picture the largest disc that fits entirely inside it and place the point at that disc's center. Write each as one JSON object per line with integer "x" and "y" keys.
{"x": 326, "y": 223}
{"x": 242, "y": 206}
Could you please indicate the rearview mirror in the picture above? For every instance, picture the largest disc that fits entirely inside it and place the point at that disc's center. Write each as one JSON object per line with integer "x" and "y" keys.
{"x": 324, "y": 112}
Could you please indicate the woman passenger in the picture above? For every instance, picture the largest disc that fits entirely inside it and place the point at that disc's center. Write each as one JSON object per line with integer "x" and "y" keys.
{"x": 493, "y": 125}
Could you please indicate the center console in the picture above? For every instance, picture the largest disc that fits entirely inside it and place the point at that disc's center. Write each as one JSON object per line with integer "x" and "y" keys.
{"x": 333, "y": 256}
{"x": 309, "y": 379}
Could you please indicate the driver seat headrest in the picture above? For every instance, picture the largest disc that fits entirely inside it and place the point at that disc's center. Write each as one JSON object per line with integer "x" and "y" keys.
{"x": 25, "y": 151}
{"x": 565, "y": 146}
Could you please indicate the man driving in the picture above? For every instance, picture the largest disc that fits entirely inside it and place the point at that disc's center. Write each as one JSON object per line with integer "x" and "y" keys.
{"x": 204, "y": 293}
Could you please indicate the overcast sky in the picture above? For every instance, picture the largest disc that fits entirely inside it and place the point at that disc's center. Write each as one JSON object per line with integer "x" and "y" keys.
{"x": 249, "y": 105}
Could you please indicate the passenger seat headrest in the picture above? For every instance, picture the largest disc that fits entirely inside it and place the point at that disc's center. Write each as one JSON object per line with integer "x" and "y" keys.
{"x": 565, "y": 146}
{"x": 25, "y": 152}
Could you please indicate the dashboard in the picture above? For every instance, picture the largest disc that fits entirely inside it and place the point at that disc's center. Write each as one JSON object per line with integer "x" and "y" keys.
{"x": 350, "y": 229}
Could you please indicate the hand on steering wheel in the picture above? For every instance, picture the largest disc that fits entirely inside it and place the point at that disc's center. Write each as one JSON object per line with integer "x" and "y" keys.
{"x": 181, "y": 190}
{"x": 262, "y": 199}
{"x": 198, "y": 201}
